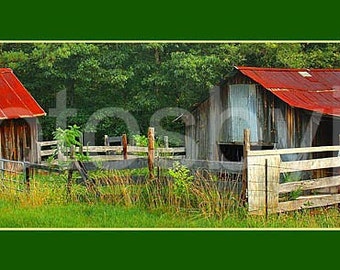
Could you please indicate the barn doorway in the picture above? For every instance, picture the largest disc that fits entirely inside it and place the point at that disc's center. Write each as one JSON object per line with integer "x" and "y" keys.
{"x": 15, "y": 139}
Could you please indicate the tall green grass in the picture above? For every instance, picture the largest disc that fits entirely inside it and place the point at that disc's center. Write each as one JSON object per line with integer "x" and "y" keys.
{"x": 175, "y": 199}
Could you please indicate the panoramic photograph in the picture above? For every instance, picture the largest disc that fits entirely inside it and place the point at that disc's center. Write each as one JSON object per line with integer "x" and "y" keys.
{"x": 169, "y": 135}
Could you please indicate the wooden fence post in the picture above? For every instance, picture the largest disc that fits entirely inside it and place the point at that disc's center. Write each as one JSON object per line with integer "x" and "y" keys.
{"x": 246, "y": 149}
{"x": 166, "y": 141}
{"x": 106, "y": 140}
{"x": 151, "y": 151}
{"x": 38, "y": 152}
{"x": 260, "y": 180}
{"x": 124, "y": 143}
{"x": 263, "y": 174}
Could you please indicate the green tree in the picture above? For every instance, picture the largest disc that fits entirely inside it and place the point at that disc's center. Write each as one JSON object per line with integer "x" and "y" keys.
{"x": 143, "y": 77}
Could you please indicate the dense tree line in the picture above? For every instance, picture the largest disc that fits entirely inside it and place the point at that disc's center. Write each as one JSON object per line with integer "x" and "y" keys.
{"x": 142, "y": 78}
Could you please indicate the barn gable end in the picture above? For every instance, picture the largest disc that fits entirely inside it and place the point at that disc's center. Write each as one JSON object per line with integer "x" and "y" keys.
{"x": 283, "y": 108}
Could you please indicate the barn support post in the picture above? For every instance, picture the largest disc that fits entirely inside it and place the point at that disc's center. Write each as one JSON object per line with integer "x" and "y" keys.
{"x": 124, "y": 143}
{"x": 151, "y": 151}
{"x": 246, "y": 149}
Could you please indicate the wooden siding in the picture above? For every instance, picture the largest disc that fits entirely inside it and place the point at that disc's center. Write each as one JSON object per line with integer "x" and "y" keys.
{"x": 202, "y": 137}
{"x": 17, "y": 139}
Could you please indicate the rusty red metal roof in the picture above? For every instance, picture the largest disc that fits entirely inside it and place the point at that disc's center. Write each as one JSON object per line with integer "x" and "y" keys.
{"x": 15, "y": 100}
{"x": 311, "y": 89}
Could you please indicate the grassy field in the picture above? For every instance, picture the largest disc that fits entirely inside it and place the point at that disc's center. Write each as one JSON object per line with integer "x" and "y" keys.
{"x": 185, "y": 203}
{"x": 101, "y": 215}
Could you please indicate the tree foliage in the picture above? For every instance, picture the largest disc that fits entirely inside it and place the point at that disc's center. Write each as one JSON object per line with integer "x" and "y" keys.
{"x": 143, "y": 77}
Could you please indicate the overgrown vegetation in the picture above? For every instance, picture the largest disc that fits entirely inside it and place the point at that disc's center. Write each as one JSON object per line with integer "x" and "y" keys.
{"x": 127, "y": 198}
{"x": 68, "y": 138}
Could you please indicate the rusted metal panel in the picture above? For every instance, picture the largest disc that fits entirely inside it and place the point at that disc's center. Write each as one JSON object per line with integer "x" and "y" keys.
{"x": 16, "y": 101}
{"x": 311, "y": 89}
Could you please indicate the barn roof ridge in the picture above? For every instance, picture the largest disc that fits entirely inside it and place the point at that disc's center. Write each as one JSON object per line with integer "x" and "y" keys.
{"x": 316, "y": 90}
{"x": 286, "y": 69}
{"x": 16, "y": 101}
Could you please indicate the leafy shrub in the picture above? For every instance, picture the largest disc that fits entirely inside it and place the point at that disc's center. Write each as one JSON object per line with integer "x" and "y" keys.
{"x": 182, "y": 179}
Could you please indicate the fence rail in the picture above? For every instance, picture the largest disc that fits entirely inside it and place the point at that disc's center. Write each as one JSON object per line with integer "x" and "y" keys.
{"x": 100, "y": 150}
{"x": 264, "y": 168}
{"x": 16, "y": 174}
{"x": 165, "y": 163}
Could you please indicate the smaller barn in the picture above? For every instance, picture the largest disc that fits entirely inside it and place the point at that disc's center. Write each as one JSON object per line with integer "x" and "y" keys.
{"x": 18, "y": 119}
{"x": 283, "y": 108}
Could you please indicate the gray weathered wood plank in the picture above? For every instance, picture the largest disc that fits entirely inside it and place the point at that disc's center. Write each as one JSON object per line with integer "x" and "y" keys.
{"x": 294, "y": 150}
{"x": 309, "y": 202}
{"x": 310, "y": 184}
{"x": 312, "y": 164}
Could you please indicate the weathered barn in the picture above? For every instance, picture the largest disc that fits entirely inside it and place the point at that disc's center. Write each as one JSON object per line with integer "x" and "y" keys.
{"x": 18, "y": 119}
{"x": 283, "y": 108}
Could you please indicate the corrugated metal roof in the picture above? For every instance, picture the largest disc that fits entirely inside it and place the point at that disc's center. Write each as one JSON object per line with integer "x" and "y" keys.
{"x": 311, "y": 89}
{"x": 15, "y": 100}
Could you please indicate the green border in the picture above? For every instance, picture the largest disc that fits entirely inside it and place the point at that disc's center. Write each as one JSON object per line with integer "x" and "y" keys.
{"x": 169, "y": 20}
{"x": 175, "y": 20}
{"x": 156, "y": 249}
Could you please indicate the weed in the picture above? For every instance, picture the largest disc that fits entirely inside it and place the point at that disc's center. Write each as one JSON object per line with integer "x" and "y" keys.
{"x": 182, "y": 179}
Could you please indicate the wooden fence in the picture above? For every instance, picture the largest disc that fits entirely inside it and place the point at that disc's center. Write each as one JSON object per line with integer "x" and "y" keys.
{"x": 105, "y": 152}
{"x": 265, "y": 168}
{"x": 263, "y": 187}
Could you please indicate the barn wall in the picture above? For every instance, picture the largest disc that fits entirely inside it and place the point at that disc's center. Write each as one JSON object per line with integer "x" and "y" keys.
{"x": 198, "y": 132}
{"x": 17, "y": 139}
{"x": 202, "y": 138}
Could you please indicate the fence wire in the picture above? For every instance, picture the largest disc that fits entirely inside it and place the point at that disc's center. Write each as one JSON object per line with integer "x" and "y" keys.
{"x": 12, "y": 175}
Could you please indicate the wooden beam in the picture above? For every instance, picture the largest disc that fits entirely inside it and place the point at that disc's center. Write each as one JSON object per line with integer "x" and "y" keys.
{"x": 309, "y": 202}
{"x": 44, "y": 153}
{"x": 310, "y": 184}
{"x": 47, "y": 143}
{"x": 312, "y": 164}
{"x": 294, "y": 150}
